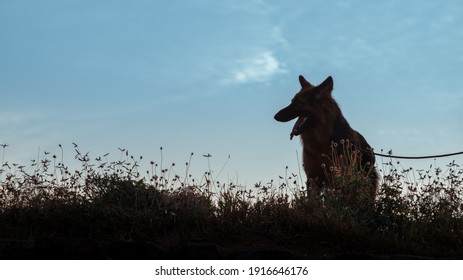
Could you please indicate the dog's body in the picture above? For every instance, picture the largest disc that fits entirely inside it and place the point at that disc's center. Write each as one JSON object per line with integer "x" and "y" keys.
{"x": 323, "y": 128}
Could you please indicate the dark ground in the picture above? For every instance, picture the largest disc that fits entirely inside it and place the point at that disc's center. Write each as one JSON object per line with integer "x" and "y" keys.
{"x": 61, "y": 248}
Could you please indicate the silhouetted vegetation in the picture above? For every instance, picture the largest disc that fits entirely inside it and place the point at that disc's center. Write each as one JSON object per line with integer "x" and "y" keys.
{"x": 416, "y": 212}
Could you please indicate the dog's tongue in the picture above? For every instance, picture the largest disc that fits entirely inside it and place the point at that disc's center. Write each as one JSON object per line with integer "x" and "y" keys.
{"x": 297, "y": 126}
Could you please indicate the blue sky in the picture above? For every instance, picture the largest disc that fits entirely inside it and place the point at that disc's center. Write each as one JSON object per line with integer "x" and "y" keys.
{"x": 207, "y": 77}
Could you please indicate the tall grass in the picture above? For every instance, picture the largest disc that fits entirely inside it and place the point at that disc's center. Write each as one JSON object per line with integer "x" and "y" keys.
{"x": 414, "y": 212}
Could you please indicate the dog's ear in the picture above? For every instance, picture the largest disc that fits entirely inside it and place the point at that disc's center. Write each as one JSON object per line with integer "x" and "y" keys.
{"x": 325, "y": 88}
{"x": 304, "y": 83}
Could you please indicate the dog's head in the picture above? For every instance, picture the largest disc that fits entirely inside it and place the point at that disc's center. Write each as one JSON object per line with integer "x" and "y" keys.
{"x": 305, "y": 104}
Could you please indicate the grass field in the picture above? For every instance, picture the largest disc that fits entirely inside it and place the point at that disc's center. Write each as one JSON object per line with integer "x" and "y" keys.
{"x": 415, "y": 213}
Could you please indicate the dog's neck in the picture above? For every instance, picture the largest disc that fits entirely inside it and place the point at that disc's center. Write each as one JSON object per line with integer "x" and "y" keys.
{"x": 323, "y": 129}
{"x": 341, "y": 130}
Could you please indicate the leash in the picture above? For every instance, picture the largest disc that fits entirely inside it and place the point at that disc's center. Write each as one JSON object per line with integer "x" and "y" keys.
{"x": 389, "y": 155}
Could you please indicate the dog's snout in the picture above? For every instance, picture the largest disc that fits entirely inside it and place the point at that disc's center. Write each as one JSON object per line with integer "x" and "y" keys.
{"x": 281, "y": 116}
{"x": 277, "y": 117}
{"x": 286, "y": 114}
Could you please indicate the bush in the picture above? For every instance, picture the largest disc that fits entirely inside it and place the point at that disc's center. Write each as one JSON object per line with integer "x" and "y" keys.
{"x": 111, "y": 200}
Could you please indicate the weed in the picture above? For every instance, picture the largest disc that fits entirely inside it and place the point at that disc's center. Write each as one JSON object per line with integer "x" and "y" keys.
{"x": 413, "y": 212}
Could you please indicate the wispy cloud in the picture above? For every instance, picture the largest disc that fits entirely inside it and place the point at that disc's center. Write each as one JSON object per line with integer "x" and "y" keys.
{"x": 257, "y": 68}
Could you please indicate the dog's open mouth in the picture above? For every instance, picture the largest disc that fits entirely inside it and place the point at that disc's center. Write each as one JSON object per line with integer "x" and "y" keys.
{"x": 298, "y": 127}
